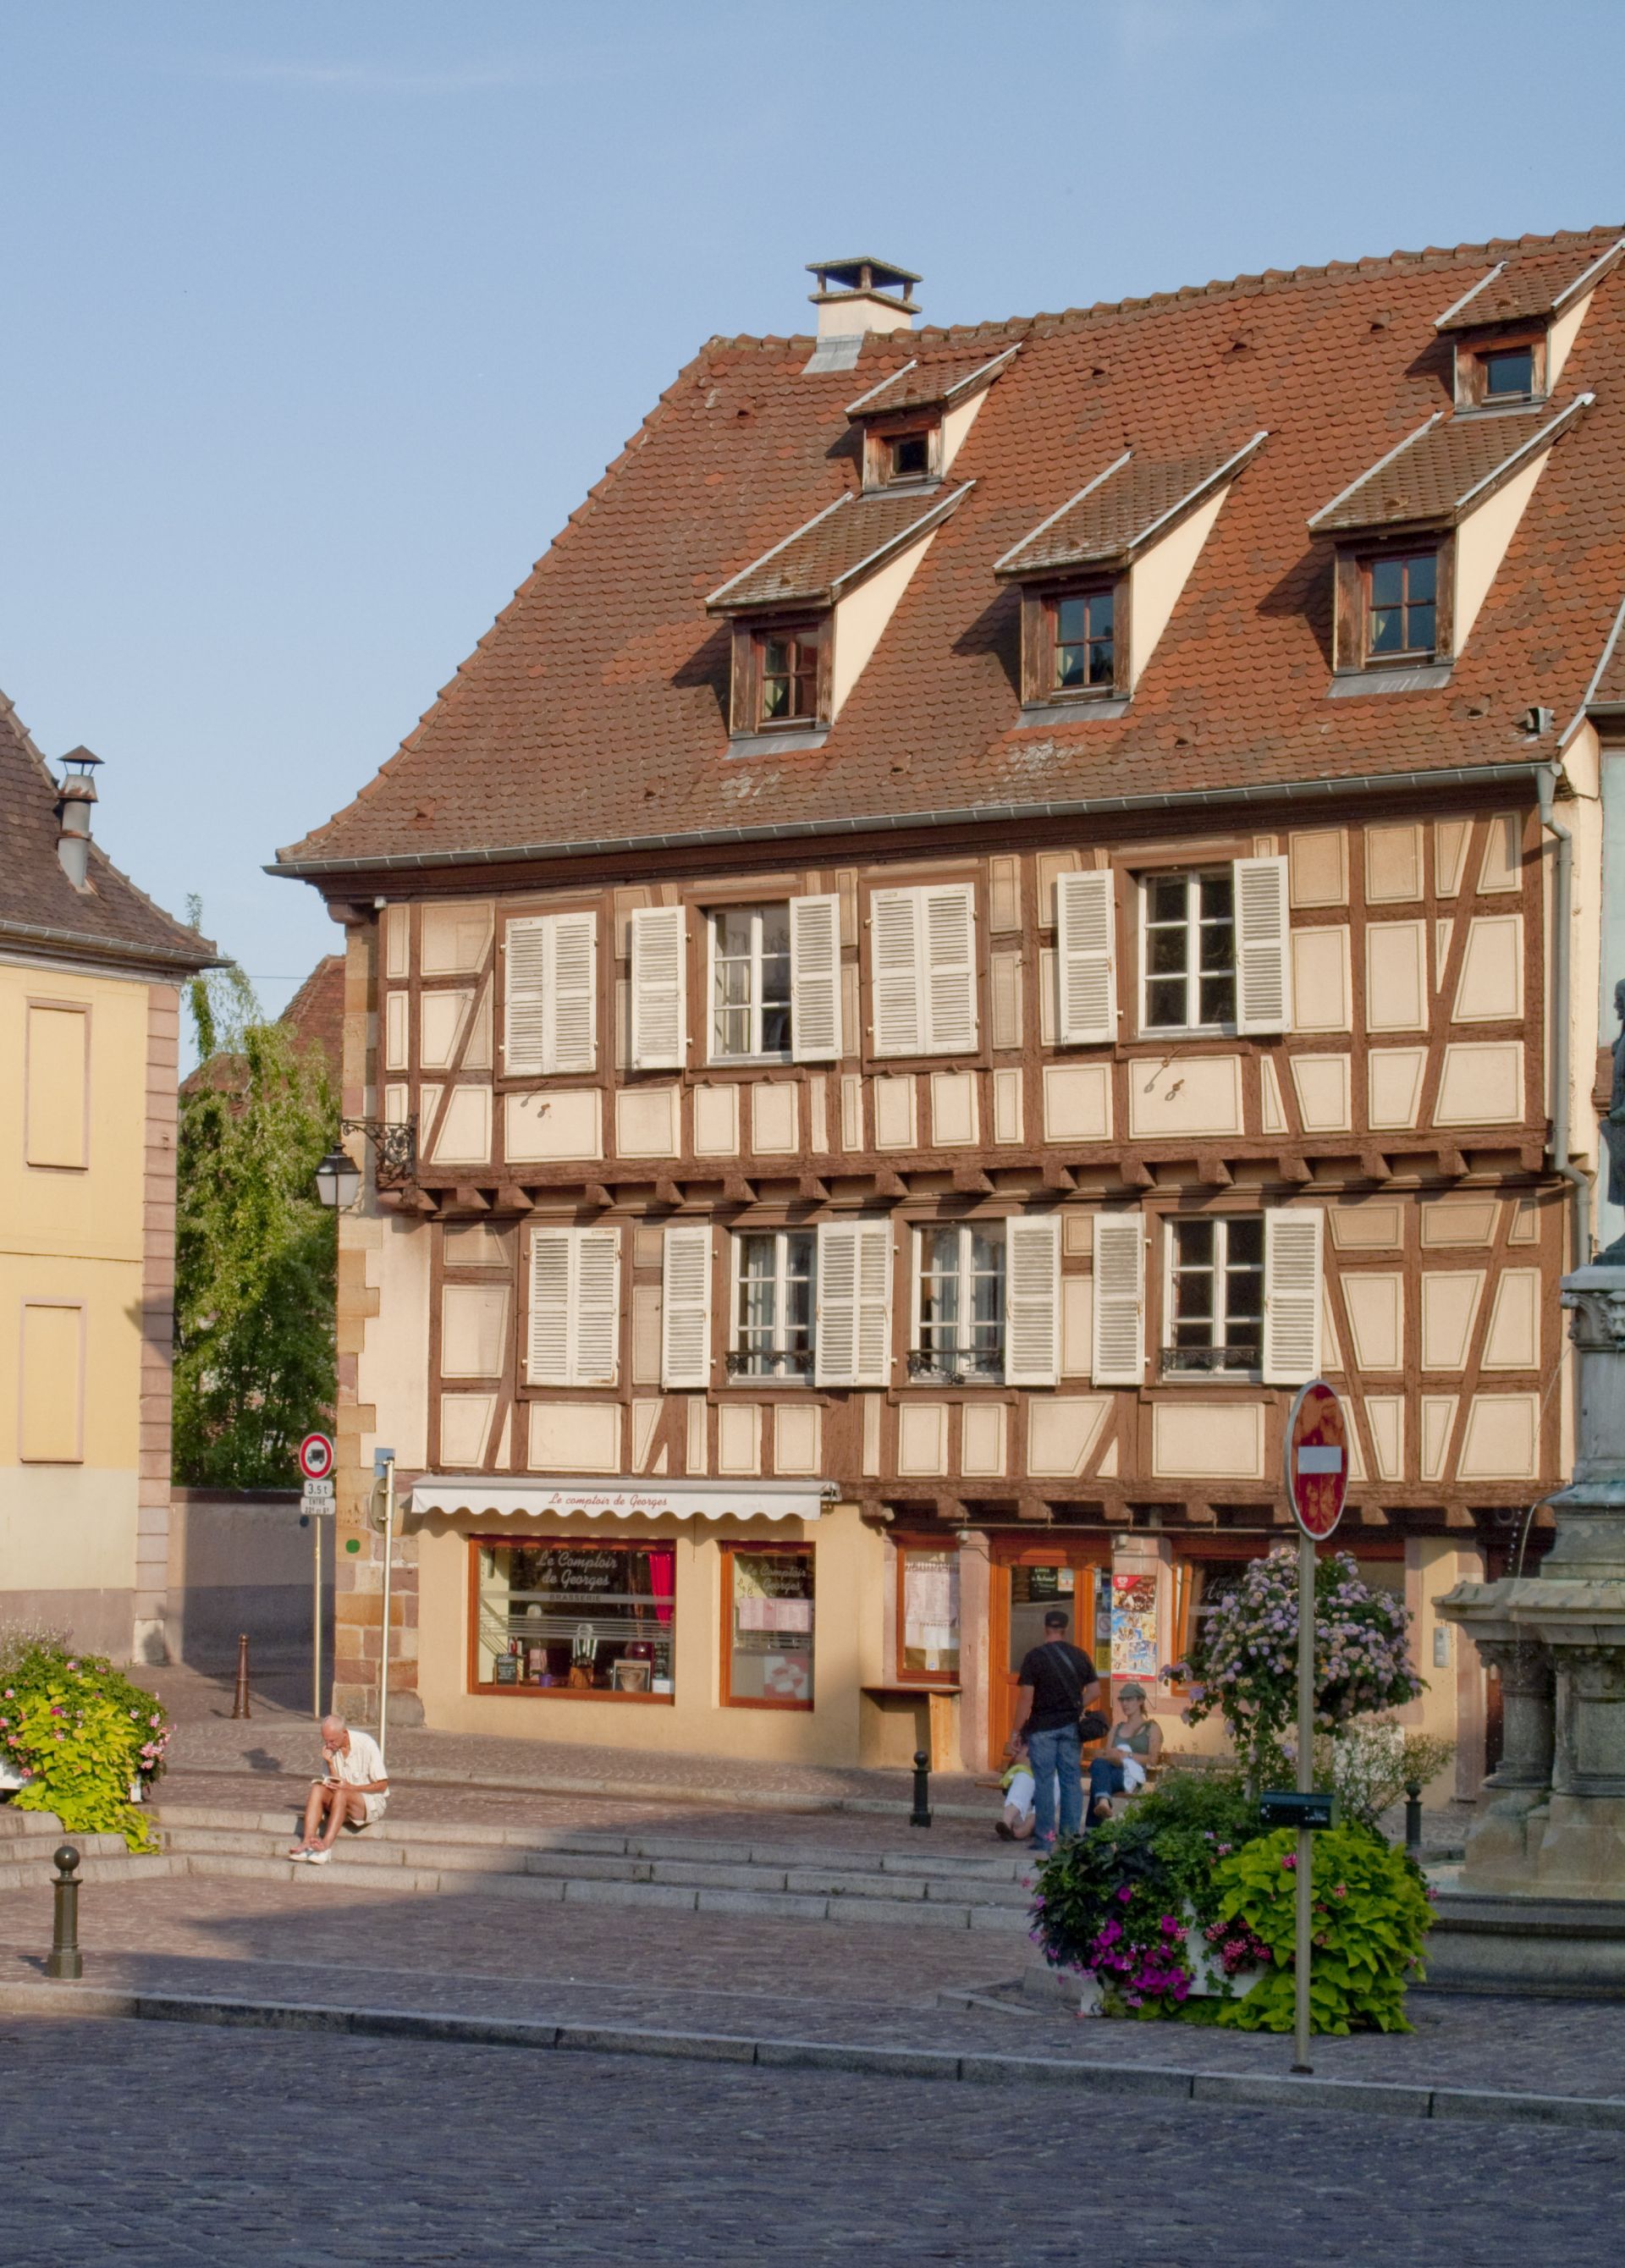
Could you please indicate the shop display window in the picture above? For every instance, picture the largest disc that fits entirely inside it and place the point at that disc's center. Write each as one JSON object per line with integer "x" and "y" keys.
{"x": 767, "y": 1627}
{"x": 575, "y": 1618}
{"x": 928, "y": 1614}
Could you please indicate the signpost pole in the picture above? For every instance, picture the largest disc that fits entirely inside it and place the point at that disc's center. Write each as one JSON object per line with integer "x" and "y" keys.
{"x": 315, "y": 1635}
{"x": 315, "y": 1460}
{"x": 1305, "y": 1781}
{"x": 387, "y": 1460}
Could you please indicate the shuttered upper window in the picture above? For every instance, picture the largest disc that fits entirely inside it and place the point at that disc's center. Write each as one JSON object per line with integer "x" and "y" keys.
{"x": 988, "y": 1298}
{"x": 551, "y": 1002}
{"x": 575, "y": 1307}
{"x": 1214, "y": 949}
{"x": 57, "y": 1085}
{"x": 750, "y": 981}
{"x": 1215, "y": 1295}
{"x": 775, "y": 1279}
{"x": 922, "y": 965}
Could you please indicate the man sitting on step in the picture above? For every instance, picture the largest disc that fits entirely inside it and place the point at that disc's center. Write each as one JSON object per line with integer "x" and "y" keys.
{"x": 353, "y": 1792}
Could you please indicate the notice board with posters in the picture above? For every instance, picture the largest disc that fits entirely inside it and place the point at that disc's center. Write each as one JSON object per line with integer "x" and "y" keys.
{"x": 1133, "y": 1626}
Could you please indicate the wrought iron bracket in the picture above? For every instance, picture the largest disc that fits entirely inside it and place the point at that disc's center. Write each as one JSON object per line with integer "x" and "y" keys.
{"x": 394, "y": 1145}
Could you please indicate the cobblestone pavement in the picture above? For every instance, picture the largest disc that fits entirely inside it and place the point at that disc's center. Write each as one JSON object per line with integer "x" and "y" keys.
{"x": 317, "y": 1942}
{"x": 179, "y": 2145}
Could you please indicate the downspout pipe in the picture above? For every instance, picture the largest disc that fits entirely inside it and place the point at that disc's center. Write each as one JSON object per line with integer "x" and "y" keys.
{"x": 1546, "y": 777}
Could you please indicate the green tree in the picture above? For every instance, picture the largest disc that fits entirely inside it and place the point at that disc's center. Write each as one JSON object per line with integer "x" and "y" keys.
{"x": 254, "y": 1247}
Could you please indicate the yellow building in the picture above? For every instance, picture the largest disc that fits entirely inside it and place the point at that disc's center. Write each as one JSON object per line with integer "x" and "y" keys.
{"x": 90, "y": 977}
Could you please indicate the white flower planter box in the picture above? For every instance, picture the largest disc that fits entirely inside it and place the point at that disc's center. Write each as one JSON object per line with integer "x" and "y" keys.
{"x": 1207, "y": 1979}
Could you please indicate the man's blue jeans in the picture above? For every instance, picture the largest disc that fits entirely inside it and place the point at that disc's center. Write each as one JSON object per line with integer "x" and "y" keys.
{"x": 1053, "y": 1755}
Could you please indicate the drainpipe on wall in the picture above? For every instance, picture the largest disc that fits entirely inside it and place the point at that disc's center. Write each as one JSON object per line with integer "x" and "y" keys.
{"x": 1562, "y": 915}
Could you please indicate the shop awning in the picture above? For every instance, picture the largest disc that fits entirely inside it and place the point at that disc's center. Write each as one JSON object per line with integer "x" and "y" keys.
{"x": 618, "y": 1499}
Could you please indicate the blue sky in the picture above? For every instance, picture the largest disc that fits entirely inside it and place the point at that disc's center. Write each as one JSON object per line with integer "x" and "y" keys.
{"x": 320, "y": 318}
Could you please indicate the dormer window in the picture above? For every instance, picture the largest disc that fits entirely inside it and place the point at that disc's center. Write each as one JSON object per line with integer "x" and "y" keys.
{"x": 910, "y": 456}
{"x": 1509, "y": 374}
{"x": 1401, "y": 605}
{"x": 894, "y": 454}
{"x": 784, "y": 669}
{"x": 1083, "y": 641}
{"x": 1502, "y": 371}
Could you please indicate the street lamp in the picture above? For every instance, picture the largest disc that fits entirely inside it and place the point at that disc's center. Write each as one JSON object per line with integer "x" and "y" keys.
{"x": 338, "y": 1181}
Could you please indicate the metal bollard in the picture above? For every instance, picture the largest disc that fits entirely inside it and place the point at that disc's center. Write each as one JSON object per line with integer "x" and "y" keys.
{"x": 920, "y": 1815}
{"x": 64, "y": 1960}
{"x": 240, "y": 1698}
{"x": 1413, "y": 1819}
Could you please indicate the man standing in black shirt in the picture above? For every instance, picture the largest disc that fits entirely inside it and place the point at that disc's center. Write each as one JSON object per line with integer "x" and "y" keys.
{"x": 1059, "y": 1681}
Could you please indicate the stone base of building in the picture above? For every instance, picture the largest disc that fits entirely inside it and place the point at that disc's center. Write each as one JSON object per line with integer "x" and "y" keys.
{"x": 358, "y": 1705}
{"x": 1486, "y": 1942}
{"x": 96, "y": 1622}
{"x": 1532, "y": 1842}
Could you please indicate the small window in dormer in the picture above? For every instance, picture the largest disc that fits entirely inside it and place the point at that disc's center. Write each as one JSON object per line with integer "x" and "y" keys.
{"x": 1084, "y": 641}
{"x": 910, "y": 456}
{"x": 1509, "y": 374}
{"x": 1401, "y": 610}
{"x": 789, "y": 676}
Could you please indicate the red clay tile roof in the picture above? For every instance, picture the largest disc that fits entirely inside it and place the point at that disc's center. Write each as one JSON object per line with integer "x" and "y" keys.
{"x": 1530, "y": 283}
{"x": 1445, "y": 465}
{"x": 930, "y": 383}
{"x": 1110, "y": 519}
{"x": 854, "y": 536}
{"x": 595, "y": 712}
{"x": 40, "y": 909}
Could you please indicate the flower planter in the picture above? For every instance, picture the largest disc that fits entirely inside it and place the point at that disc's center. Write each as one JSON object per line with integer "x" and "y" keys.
{"x": 1208, "y": 1981}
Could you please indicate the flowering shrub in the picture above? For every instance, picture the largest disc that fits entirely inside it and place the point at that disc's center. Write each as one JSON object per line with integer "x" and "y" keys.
{"x": 1371, "y": 1763}
{"x": 1247, "y": 1665}
{"x": 1117, "y": 1903}
{"x": 1372, "y": 1915}
{"x": 80, "y": 1733}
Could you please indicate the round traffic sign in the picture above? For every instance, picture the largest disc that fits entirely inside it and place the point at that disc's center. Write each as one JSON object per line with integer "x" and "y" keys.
{"x": 315, "y": 1456}
{"x": 1317, "y": 1449}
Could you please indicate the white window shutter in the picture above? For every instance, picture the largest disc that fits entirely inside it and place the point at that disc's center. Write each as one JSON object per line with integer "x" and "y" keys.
{"x": 895, "y": 959}
{"x": 685, "y": 1307}
{"x": 853, "y": 1325}
{"x": 658, "y": 988}
{"x": 524, "y": 1017}
{"x": 595, "y": 1321}
{"x": 1263, "y": 968}
{"x": 1032, "y": 1301}
{"x": 550, "y": 1271}
{"x": 1119, "y": 1299}
{"x": 1292, "y": 1274}
{"x": 574, "y": 986}
{"x": 815, "y": 979}
{"x": 950, "y": 927}
{"x": 1086, "y": 956}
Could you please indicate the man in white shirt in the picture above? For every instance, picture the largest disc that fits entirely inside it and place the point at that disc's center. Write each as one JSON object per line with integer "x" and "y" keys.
{"x": 355, "y": 1788}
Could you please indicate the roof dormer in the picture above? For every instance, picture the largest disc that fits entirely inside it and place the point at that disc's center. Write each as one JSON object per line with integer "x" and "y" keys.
{"x": 807, "y": 615}
{"x": 912, "y": 423}
{"x": 1101, "y": 577}
{"x": 1420, "y": 537}
{"x": 1510, "y": 334}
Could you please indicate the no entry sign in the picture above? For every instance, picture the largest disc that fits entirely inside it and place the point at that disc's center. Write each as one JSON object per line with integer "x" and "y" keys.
{"x": 315, "y": 1456}
{"x": 1318, "y": 1459}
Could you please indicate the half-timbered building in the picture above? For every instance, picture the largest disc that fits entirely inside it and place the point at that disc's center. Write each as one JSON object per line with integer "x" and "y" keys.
{"x": 1000, "y": 898}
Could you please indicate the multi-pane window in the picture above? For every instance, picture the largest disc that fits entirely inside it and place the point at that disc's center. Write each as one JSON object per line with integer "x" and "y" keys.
{"x": 1190, "y": 950}
{"x": 750, "y": 981}
{"x": 788, "y": 665}
{"x": 1085, "y": 641}
{"x": 961, "y": 1327}
{"x": 1509, "y": 373}
{"x": 775, "y": 1284}
{"x": 1401, "y": 605}
{"x": 1215, "y": 1294}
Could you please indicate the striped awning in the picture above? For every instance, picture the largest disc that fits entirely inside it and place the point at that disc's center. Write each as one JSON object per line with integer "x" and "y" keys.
{"x": 618, "y": 1499}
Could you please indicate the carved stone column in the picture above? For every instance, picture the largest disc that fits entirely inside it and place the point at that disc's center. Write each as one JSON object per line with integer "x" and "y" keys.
{"x": 1527, "y": 1711}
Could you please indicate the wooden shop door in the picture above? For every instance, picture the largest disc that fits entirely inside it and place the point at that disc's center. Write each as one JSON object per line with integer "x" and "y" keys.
{"x": 1027, "y": 1580}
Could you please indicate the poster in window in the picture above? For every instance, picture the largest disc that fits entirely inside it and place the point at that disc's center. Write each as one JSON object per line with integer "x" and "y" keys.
{"x": 1134, "y": 1625}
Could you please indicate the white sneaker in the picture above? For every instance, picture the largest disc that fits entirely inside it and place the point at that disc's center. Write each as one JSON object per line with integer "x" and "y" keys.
{"x": 317, "y": 1858}
{"x": 299, "y": 1851}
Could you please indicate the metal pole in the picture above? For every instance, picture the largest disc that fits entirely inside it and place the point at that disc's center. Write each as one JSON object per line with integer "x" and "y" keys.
{"x": 383, "y": 1665}
{"x": 315, "y": 1636}
{"x": 64, "y": 1960}
{"x": 240, "y": 1706}
{"x": 1305, "y": 1781}
{"x": 920, "y": 1815}
{"x": 1412, "y": 1819}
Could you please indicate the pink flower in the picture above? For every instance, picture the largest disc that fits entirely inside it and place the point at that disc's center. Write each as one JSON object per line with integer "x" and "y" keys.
{"x": 1289, "y": 1860}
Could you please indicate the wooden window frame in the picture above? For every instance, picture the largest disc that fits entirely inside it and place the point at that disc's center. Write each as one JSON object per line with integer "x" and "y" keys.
{"x": 879, "y": 434}
{"x": 926, "y": 1679}
{"x": 1144, "y": 1028}
{"x": 995, "y": 1232}
{"x": 520, "y": 1690}
{"x": 1352, "y": 629}
{"x": 1169, "y": 1372}
{"x": 780, "y": 1235}
{"x": 1471, "y": 367}
{"x": 1039, "y": 601}
{"x": 751, "y": 635}
{"x": 729, "y": 1700}
{"x": 713, "y": 1055}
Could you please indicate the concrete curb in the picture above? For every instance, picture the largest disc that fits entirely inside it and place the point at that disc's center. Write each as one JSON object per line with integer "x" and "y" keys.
{"x": 1255, "y": 2090}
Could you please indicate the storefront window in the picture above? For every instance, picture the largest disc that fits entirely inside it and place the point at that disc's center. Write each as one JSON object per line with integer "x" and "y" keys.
{"x": 768, "y": 1628}
{"x": 928, "y": 1608}
{"x": 575, "y": 1618}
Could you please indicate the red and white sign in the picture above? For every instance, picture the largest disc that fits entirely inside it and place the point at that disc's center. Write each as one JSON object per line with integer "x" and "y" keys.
{"x": 315, "y": 1456}
{"x": 1318, "y": 1459}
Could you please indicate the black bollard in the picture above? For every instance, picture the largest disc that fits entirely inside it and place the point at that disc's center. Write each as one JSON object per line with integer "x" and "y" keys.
{"x": 64, "y": 1955}
{"x": 920, "y": 1815}
{"x": 1412, "y": 1819}
{"x": 240, "y": 1698}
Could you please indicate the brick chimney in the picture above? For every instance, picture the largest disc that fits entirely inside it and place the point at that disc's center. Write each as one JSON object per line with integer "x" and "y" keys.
{"x": 74, "y": 799}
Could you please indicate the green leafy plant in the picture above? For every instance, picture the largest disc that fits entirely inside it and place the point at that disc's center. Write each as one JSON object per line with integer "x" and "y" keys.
{"x": 1117, "y": 1902}
{"x": 80, "y": 1733}
{"x": 1372, "y": 1917}
{"x": 1371, "y": 1763}
{"x": 255, "y": 1248}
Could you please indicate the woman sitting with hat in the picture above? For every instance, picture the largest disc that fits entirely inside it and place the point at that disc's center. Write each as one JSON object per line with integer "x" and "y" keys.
{"x": 1134, "y": 1744}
